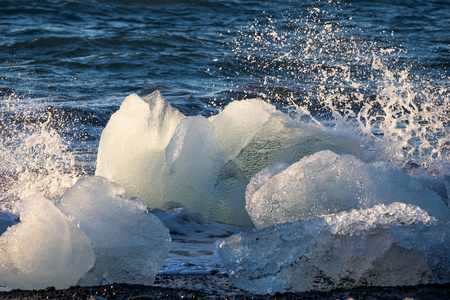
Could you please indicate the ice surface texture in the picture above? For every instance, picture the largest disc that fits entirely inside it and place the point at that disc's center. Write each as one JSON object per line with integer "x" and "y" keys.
{"x": 327, "y": 183}
{"x": 158, "y": 155}
{"x": 130, "y": 243}
{"x": 132, "y": 146}
{"x": 44, "y": 249}
{"x": 390, "y": 245}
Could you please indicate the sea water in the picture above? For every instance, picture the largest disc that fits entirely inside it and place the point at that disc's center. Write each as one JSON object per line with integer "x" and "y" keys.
{"x": 376, "y": 72}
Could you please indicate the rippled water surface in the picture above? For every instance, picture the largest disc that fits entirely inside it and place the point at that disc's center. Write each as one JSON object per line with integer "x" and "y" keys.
{"x": 380, "y": 67}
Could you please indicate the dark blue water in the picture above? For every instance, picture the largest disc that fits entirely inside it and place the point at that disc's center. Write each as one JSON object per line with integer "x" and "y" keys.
{"x": 69, "y": 64}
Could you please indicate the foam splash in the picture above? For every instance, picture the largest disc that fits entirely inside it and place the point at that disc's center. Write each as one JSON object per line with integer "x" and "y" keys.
{"x": 34, "y": 157}
{"x": 331, "y": 72}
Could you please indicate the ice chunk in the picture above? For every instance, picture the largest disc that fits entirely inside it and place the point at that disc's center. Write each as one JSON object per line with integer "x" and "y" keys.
{"x": 44, "y": 249}
{"x": 390, "y": 245}
{"x": 158, "y": 158}
{"x": 192, "y": 170}
{"x": 326, "y": 183}
{"x": 130, "y": 243}
{"x": 257, "y": 135}
{"x": 159, "y": 155}
{"x": 132, "y": 145}
{"x": 203, "y": 173}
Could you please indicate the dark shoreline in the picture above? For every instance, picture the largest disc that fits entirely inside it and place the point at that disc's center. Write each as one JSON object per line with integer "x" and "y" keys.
{"x": 219, "y": 287}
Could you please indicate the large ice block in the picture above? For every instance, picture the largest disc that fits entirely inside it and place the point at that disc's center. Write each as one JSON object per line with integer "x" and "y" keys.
{"x": 158, "y": 155}
{"x": 130, "y": 243}
{"x": 44, "y": 249}
{"x": 326, "y": 183}
{"x": 390, "y": 245}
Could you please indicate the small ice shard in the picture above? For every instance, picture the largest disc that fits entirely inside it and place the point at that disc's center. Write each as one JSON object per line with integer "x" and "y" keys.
{"x": 326, "y": 183}
{"x": 44, "y": 249}
{"x": 390, "y": 245}
{"x": 130, "y": 243}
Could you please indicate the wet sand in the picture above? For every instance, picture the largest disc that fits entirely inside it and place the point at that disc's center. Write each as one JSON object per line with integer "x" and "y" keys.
{"x": 220, "y": 287}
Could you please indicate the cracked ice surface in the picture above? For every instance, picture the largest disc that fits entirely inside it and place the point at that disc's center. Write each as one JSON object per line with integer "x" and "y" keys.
{"x": 398, "y": 245}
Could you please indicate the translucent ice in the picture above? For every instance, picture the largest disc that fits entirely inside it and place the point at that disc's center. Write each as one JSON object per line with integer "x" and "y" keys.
{"x": 130, "y": 243}
{"x": 158, "y": 155}
{"x": 256, "y": 135}
{"x": 44, "y": 249}
{"x": 390, "y": 245}
{"x": 205, "y": 178}
{"x": 326, "y": 183}
{"x": 132, "y": 146}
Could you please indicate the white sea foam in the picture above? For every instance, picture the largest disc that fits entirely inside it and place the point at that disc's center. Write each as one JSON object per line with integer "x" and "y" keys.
{"x": 34, "y": 158}
{"x": 194, "y": 239}
{"x": 332, "y": 73}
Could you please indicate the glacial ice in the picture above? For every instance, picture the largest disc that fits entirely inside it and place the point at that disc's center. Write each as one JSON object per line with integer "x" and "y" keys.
{"x": 209, "y": 181}
{"x": 130, "y": 244}
{"x": 327, "y": 183}
{"x": 158, "y": 155}
{"x": 132, "y": 146}
{"x": 390, "y": 245}
{"x": 44, "y": 249}
{"x": 256, "y": 135}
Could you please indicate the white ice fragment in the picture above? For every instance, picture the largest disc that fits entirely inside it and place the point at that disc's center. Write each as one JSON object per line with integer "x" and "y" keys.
{"x": 326, "y": 183}
{"x": 132, "y": 145}
{"x": 400, "y": 245}
{"x": 157, "y": 158}
{"x": 44, "y": 249}
{"x": 130, "y": 243}
{"x": 380, "y": 216}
